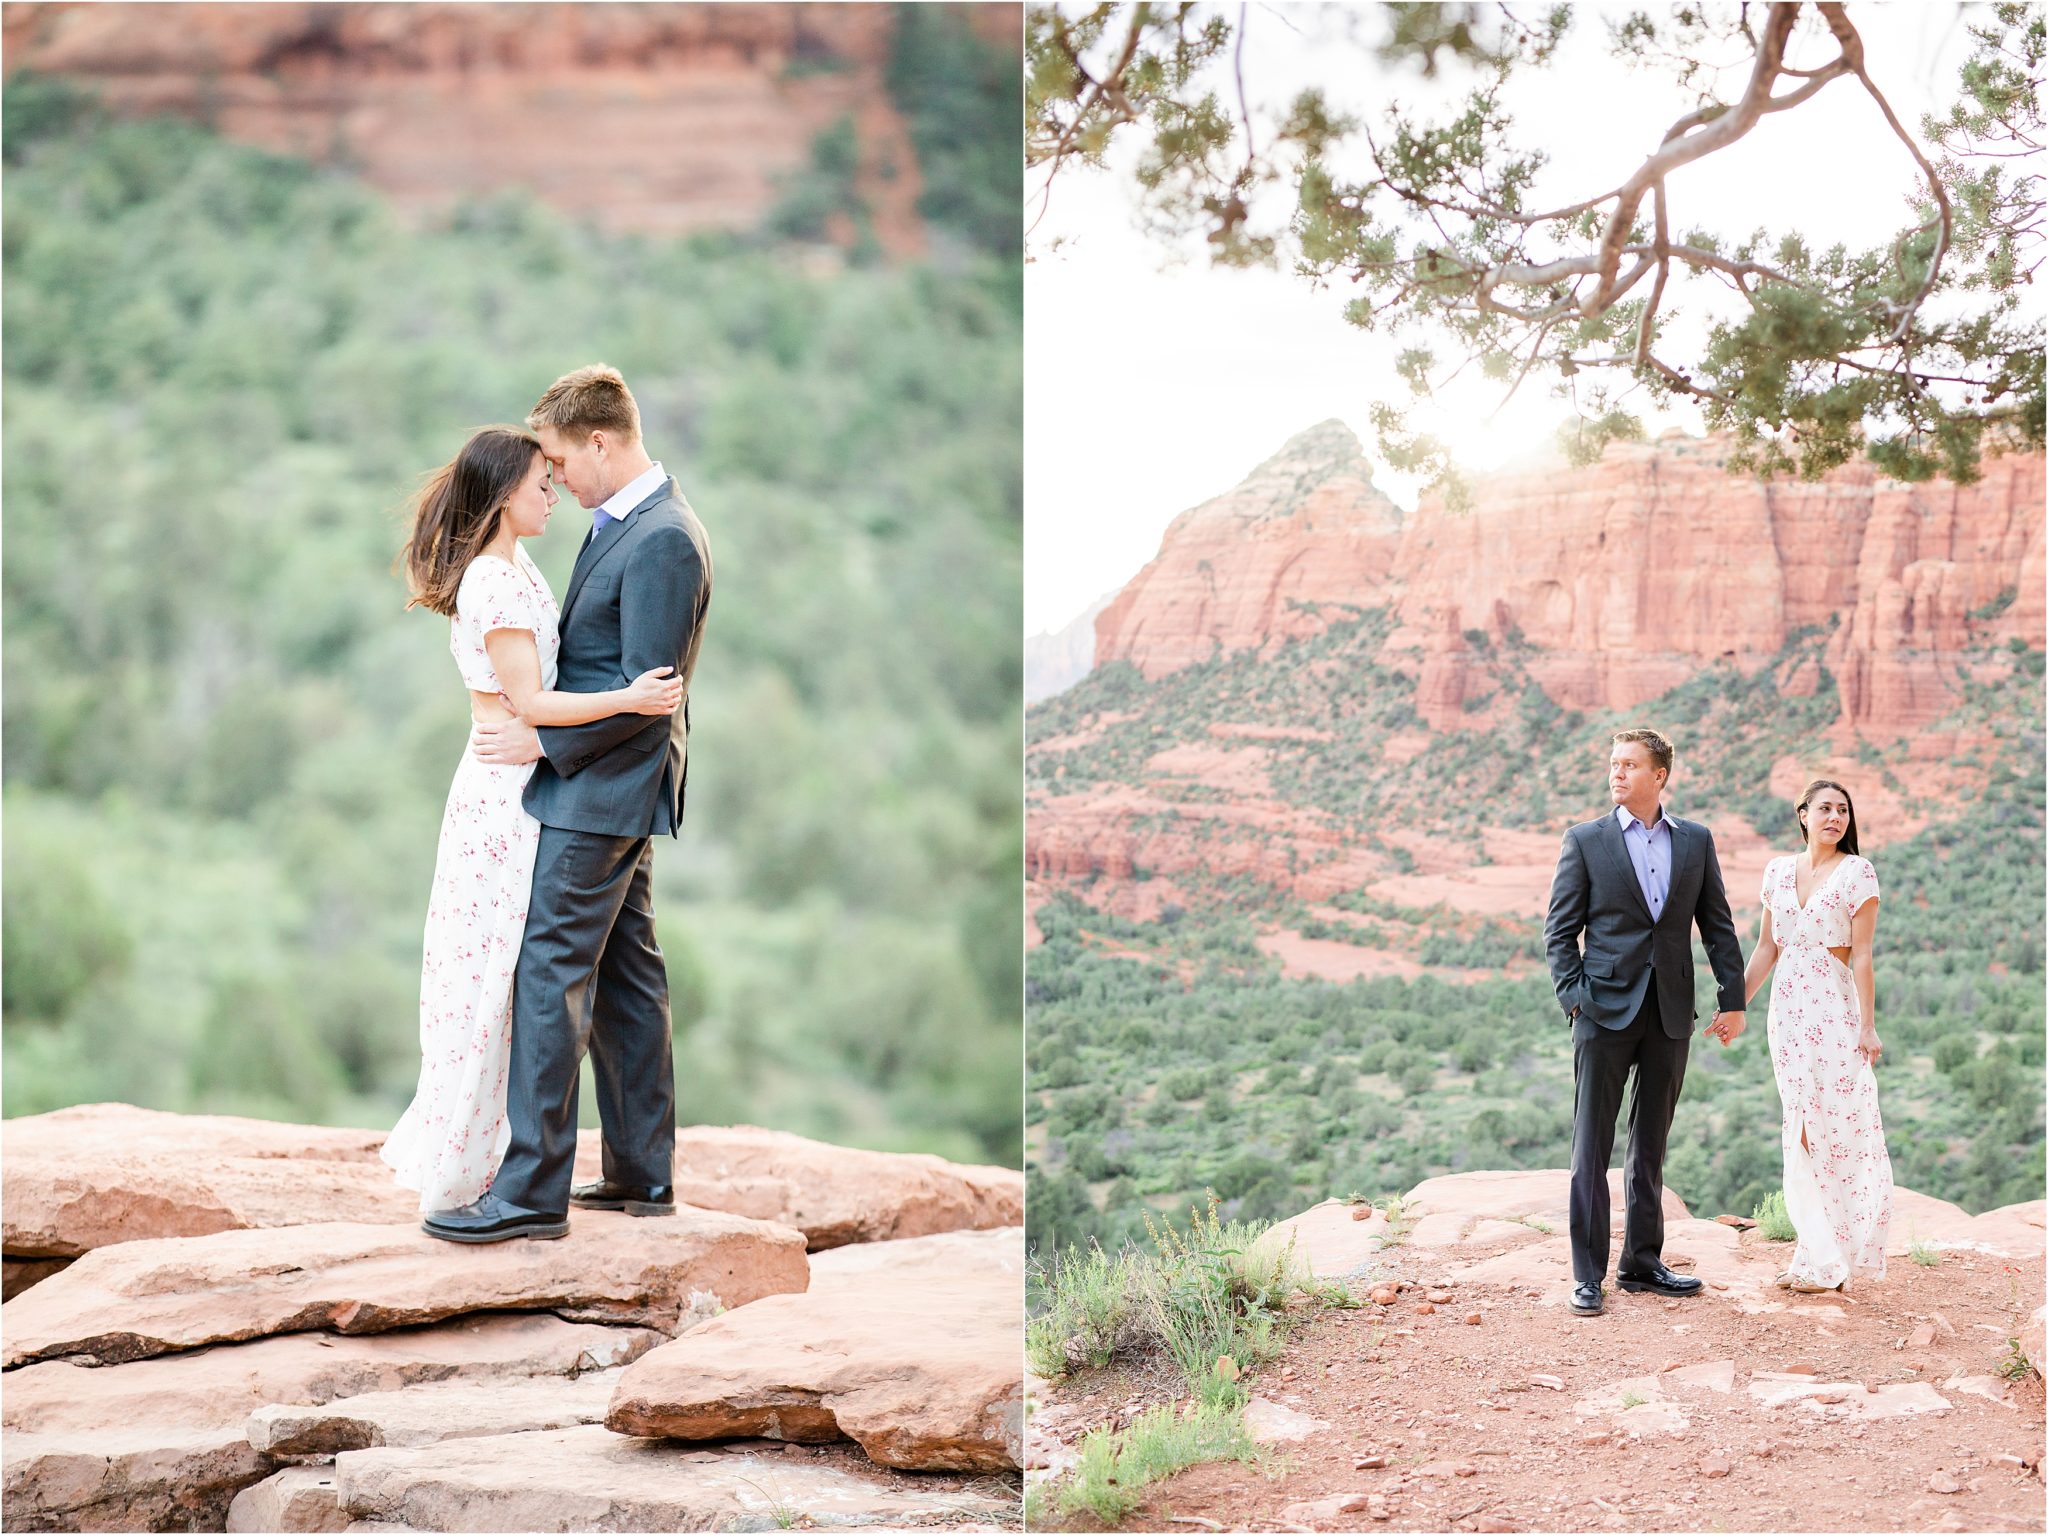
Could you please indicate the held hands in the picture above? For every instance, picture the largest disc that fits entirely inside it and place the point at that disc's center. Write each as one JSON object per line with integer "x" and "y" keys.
{"x": 654, "y": 693}
{"x": 1727, "y": 1027}
{"x": 506, "y": 743}
{"x": 1867, "y": 1045}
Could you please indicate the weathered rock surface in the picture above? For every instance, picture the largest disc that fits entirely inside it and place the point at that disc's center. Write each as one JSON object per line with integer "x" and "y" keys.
{"x": 163, "y": 1443}
{"x": 458, "y": 1409}
{"x": 833, "y": 1194}
{"x": 2014, "y": 1230}
{"x": 590, "y": 1479}
{"x": 296, "y": 1498}
{"x": 80, "y": 1178}
{"x": 910, "y": 1348}
{"x": 135, "y": 1299}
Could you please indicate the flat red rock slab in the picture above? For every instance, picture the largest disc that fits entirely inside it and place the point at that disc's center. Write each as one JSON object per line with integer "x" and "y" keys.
{"x": 137, "y": 1299}
{"x": 910, "y": 1348}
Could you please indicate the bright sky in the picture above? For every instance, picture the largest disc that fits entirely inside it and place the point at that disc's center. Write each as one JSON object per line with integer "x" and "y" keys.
{"x": 1152, "y": 384}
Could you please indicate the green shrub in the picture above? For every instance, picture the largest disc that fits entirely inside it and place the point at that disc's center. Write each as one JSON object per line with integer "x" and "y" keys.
{"x": 1772, "y": 1220}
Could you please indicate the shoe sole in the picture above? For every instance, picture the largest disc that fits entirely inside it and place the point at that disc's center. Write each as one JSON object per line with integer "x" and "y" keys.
{"x": 630, "y": 1206}
{"x": 1635, "y": 1288}
{"x": 1585, "y": 1311}
{"x": 546, "y": 1233}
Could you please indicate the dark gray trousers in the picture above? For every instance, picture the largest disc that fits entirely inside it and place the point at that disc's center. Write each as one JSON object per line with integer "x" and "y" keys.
{"x": 1602, "y": 1062}
{"x": 590, "y": 977}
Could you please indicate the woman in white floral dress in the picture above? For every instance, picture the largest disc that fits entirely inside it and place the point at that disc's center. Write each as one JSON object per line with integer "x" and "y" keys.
{"x": 1819, "y": 923}
{"x": 463, "y": 559}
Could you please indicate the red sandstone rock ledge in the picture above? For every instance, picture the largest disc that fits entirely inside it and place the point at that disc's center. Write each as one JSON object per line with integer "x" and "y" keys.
{"x": 259, "y": 1366}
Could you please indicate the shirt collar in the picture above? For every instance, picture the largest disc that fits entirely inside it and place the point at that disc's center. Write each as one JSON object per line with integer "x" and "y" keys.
{"x": 1626, "y": 820}
{"x": 633, "y": 492}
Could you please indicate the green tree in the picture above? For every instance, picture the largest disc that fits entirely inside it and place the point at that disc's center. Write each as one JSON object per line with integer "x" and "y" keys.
{"x": 1918, "y": 351}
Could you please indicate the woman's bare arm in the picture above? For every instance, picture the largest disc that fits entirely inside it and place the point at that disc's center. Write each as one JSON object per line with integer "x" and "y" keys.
{"x": 1761, "y": 958}
{"x": 516, "y": 660}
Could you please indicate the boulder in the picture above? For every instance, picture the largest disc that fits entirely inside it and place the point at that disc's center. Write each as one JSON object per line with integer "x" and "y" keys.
{"x": 2013, "y": 1231}
{"x": 456, "y": 1409}
{"x": 296, "y": 1498}
{"x": 833, "y": 1194}
{"x": 136, "y": 1299}
{"x": 1331, "y": 1243}
{"x": 912, "y": 1348}
{"x": 163, "y": 1443}
{"x": 591, "y": 1479}
{"x": 2034, "y": 1340}
{"x": 80, "y": 1178}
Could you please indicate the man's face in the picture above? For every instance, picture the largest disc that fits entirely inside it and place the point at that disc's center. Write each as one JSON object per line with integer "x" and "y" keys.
{"x": 579, "y": 467}
{"x": 1631, "y": 775}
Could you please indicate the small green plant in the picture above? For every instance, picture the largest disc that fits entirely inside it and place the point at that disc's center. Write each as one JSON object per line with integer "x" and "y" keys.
{"x": 1113, "y": 1469}
{"x": 1772, "y": 1220}
{"x": 1400, "y": 1221}
{"x": 1923, "y": 1254}
{"x": 2015, "y": 1365}
{"x": 1632, "y": 1399}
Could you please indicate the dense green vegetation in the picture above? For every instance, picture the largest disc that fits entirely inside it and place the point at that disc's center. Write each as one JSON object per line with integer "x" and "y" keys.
{"x": 1206, "y": 1068}
{"x": 227, "y": 745}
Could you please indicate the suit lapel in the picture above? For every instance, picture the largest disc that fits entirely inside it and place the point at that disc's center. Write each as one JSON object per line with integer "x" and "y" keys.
{"x": 595, "y": 549}
{"x": 1624, "y": 867}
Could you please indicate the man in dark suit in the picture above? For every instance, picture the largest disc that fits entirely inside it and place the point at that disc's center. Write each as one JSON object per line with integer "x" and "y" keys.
{"x": 1634, "y": 883}
{"x": 590, "y": 974}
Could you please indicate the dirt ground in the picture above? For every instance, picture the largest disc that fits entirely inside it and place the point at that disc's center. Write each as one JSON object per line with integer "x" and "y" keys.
{"x": 1653, "y": 1416}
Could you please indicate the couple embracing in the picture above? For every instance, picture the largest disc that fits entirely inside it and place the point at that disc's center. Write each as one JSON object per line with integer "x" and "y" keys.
{"x": 540, "y": 926}
{"x": 1630, "y": 888}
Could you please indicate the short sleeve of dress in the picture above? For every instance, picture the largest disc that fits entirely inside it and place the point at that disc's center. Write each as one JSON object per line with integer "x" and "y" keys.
{"x": 1862, "y": 883}
{"x": 1770, "y": 882}
{"x": 493, "y": 595}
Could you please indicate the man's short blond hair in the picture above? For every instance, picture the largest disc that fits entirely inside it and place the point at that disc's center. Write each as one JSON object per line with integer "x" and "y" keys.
{"x": 1655, "y": 741}
{"x": 592, "y": 399}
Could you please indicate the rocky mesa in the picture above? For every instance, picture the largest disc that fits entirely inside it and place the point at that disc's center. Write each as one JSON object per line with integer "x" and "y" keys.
{"x": 1626, "y": 577}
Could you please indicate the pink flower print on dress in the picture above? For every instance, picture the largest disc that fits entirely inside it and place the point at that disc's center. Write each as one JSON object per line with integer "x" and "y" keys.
{"x": 448, "y": 1142}
{"x": 1839, "y": 1194}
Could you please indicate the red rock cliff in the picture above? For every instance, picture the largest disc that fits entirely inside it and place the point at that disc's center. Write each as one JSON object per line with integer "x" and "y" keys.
{"x": 1249, "y": 568}
{"x": 1626, "y": 576}
{"x": 658, "y": 117}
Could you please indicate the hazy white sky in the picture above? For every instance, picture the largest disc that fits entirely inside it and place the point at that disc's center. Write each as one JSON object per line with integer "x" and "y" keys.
{"x": 1152, "y": 384}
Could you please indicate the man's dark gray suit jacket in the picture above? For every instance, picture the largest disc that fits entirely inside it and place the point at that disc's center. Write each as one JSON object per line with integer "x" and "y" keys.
{"x": 636, "y": 600}
{"x": 1595, "y": 892}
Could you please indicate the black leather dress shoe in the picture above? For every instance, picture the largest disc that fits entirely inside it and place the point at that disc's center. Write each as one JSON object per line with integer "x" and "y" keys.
{"x": 490, "y": 1219}
{"x": 654, "y": 1199}
{"x": 1586, "y": 1299}
{"x": 1661, "y": 1281}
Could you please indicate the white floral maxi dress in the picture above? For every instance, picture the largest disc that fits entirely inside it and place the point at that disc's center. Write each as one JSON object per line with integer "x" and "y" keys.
{"x": 451, "y": 1139}
{"x": 1838, "y": 1194}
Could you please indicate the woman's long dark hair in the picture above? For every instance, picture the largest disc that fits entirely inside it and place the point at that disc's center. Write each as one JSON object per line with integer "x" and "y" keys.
{"x": 1848, "y": 842}
{"x": 458, "y": 509}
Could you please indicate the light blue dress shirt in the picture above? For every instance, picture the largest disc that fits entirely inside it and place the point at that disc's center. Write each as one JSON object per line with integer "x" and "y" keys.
{"x": 1649, "y": 849}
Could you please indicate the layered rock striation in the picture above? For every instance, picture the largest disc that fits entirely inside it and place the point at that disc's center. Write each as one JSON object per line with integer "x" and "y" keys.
{"x": 663, "y": 118}
{"x": 210, "y": 1355}
{"x": 1625, "y": 577}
